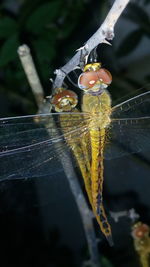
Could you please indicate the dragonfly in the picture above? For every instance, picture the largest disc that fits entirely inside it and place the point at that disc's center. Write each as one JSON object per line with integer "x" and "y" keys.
{"x": 98, "y": 131}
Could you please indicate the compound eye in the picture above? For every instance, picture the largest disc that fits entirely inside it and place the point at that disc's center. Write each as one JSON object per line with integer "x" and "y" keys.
{"x": 140, "y": 231}
{"x": 65, "y": 100}
{"x": 104, "y": 76}
{"x": 87, "y": 79}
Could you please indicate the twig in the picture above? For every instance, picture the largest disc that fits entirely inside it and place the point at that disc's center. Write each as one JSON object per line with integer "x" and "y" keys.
{"x": 85, "y": 212}
{"x": 31, "y": 73}
{"x": 104, "y": 33}
{"x": 131, "y": 214}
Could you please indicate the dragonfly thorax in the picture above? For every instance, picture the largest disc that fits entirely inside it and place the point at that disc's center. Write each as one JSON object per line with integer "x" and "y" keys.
{"x": 99, "y": 120}
{"x": 98, "y": 108}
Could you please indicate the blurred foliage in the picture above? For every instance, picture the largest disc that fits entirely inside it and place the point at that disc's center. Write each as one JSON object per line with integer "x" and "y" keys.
{"x": 105, "y": 262}
{"x": 130, "y": 42}
{"x": 54, "y": 30}
{"x": 45, "y": 26}
{"x": 142, "y": 21}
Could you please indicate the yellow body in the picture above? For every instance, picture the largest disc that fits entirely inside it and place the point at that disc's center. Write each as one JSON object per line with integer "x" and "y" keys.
{"x": 79, "y": 147}
{"x": 88, "y": 150}
{"x": 99, "y": 110}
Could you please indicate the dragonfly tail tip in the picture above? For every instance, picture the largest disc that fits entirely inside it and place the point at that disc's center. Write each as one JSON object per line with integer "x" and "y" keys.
{"x": 110, "y": 240}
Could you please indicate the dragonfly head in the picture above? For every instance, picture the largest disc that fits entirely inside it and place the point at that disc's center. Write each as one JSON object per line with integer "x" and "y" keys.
{"x": 94, "y": 79}
{"x": 140, "y": 230}
{"x": 64, "y": 100}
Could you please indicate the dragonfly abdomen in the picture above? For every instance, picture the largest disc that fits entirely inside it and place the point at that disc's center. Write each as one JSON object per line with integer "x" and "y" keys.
{"x": 97, "y": 168}
{"x": 97, "y": 172}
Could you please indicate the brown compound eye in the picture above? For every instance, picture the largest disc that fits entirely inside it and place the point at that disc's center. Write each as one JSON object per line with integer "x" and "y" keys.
{"x": 65, "y": 100}
{"x": 105, "y": 76}
{"x": 140, "y": 231}
{"x": 89, "y": 78}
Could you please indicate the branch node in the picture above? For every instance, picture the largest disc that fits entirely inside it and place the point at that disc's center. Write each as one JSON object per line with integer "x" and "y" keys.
{"x": 110, "y": 34}
{"x": 85, "y": 47}
{"x": 106, "y": 42}
{"x": 57, "y": 71}
{"x": 23, "y": 50}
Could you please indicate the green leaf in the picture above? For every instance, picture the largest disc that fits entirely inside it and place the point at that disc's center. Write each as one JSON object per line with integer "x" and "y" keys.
{"x": 43, "y": 16}
{"x": 7, "y": 27}
{"x": 105, "y": 262}
{"x": 9, "y": 50}
{"x": 130, "y": 43}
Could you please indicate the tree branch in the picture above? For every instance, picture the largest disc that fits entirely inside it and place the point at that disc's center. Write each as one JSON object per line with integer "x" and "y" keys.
{"x": 104, "y": 33}
{"x": 31, "y": 73}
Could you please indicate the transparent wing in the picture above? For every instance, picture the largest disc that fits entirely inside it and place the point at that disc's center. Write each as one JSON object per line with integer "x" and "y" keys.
{"x": 129, "y": 131}
{"x": 135, "y": 107}
{"x": 31, "y": 145}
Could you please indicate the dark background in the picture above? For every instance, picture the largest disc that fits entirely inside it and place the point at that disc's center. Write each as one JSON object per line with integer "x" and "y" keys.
{"x": 39, "y": 220}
